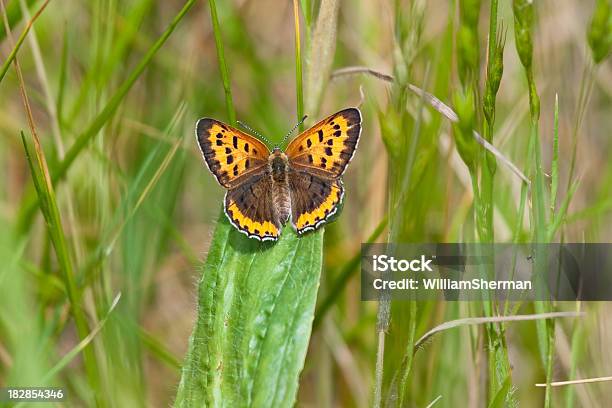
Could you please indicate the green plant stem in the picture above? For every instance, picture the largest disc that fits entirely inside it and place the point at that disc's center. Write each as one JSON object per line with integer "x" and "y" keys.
{"x": 225, "y": 78}
{"x": 299, "y": 87}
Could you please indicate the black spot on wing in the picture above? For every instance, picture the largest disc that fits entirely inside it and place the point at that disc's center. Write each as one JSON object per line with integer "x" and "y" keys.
{"x": 320, "y": 132}
{"x": 235, "y": 141}
{"x": 230, "y": 159}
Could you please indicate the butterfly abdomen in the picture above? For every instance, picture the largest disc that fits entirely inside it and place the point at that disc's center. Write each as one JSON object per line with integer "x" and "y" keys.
{"x": 281, "y": 195}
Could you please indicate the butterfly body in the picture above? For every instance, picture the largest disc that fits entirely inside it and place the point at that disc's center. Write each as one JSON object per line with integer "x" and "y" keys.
{"x": 266, "y": 189}
{"x": 278, "y": 164}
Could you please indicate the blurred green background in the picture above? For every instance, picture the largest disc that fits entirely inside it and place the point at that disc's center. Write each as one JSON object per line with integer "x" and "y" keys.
{"x": 137, "y": 205}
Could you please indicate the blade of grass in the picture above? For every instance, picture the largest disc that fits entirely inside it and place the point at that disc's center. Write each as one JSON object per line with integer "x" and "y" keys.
{"x": 13, "y": 13}
{"x": 61, "y": 88}
{"x": 20, "y": 40}
{"x": 299, "y": 93}
{"x": 227, "y": 86}
{"x": 554, "y": 174}
{"x": 470, "y": 321}
{"x": 159, "y": 350}
{"x": 44, "y": 82}
{"x": 321, "y": 54}
{"x": 307, "y": 12}
{"x": 576, "y": 382}
{"x": 432, "y": 403}
{"x": 560, "y": 216}
{"x": 75, "y": 351}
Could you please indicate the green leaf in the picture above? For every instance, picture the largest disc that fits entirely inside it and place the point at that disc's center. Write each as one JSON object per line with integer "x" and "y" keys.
{"x": 255, "y": 311}
{"x": 501, "y": 396}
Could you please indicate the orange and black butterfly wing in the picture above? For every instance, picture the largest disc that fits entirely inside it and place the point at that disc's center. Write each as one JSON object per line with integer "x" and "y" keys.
{"x": 239, "y": 163}
{"x": 314, "y": 199}
{"x": 249, "y": 208}
{"x": 318, "y": 157}
{"x": 231, "y": 155}
{"x": 327, "y": 148}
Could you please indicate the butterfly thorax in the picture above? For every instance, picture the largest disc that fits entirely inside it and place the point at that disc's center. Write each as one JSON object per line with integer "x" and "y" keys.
{"x": 278, "y": 166}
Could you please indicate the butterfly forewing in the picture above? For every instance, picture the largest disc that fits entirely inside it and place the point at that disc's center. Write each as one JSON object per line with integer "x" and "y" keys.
{"x": 231, "y": 155}
{"x": 327, "y": 147}
{"x": 239, "y": 163}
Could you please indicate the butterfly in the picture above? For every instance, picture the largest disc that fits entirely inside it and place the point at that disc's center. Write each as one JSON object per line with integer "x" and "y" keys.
{"x": 266, "y": 189}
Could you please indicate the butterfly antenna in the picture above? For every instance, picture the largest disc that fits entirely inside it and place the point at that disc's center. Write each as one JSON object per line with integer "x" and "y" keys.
{"x": 244, "y": 125}
{"x": 293, "y": 130}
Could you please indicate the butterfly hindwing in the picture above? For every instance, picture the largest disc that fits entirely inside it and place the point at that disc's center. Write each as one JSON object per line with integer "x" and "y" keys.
{"x": 249, "y": 208}
{"x": 314, "y": 199}
{"x": 327, "y": 147}
{"x": 230, "y": 154}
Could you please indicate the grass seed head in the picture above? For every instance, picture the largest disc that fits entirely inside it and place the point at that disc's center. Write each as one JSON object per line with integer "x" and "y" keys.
{"x": 523, "y": 21}
{"x": 467, "y": 146}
